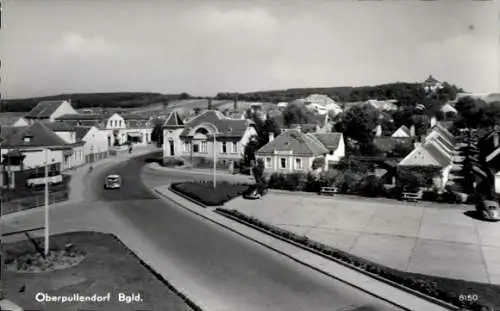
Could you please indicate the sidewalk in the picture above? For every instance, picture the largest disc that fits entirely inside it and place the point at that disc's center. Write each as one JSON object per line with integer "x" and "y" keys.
{"x": 435, "y": 241}
{"x": 377, "y": 288}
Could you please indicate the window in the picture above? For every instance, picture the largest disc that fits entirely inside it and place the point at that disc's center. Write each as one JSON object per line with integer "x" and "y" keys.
{"x": 204, "y": 146}
{"x": 224, "y": 147}
{"x": 298, "y": 163}
{"x": 282, "y": 162}
{"x": 235, "y": 147}
{"x": 185, "y": 147}
{"x": 120, "y": 123}
{"x": 196, "y": 148}
{"x": 268, "y": 162}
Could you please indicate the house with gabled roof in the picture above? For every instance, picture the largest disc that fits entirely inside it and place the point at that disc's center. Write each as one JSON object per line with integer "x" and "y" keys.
{"x": 50, "y": 110}
{"x": 27, "y": 148}
{"x": 291, "y": 151}
{"x": 436, "y": 150}
{"x": 119, "y": 128}
{"x": 403, "y": 132}
{"x": 208, "y": 134}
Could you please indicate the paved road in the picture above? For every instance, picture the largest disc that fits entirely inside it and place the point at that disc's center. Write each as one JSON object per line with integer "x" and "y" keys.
{"x": 240, "y": 274}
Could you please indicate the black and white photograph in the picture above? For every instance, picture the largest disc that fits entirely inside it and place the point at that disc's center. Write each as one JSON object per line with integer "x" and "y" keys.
{"x": 249, "y": 155}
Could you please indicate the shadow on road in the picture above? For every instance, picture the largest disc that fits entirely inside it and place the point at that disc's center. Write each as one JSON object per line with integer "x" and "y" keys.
{"x": 477, "y": 216}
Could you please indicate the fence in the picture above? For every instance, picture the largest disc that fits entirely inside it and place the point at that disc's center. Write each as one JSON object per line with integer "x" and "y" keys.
{"x": 35, "y": 200}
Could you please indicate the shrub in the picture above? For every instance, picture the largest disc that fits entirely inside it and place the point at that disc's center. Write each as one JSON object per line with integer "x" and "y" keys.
{"x": 205, "y": 193}
{"x": 370, "y": 186}
{"x": 431, "y": 195}
{"x": 318, "y": 163}
{"x": 450, "y": 196}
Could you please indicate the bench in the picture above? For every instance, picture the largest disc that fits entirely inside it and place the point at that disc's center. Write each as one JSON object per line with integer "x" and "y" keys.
{"x": 412, "y": 196}
{"x": 328, "y": 190}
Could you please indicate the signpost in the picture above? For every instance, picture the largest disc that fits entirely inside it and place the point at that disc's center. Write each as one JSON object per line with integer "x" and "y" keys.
{"x": 46, "y": 202}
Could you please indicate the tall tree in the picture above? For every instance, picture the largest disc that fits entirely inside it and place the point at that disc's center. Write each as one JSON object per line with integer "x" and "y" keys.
{"x": 359, "y": 123}
{"x": 296, "y": 113}
{"x": 471, "y": 111}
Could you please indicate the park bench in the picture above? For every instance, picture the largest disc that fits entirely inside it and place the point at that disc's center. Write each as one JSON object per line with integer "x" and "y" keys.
{"x": 328, "y": 190}
{"x": 412, "y": 196}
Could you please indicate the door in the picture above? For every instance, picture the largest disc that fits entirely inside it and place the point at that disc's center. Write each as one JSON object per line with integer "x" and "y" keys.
{"x": 172, "y": 150}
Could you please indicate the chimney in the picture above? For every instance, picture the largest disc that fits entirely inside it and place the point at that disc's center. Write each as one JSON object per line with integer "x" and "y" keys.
{"x": 412, "y": 130}
{"x": 433, "y": 121}
{"x": 378, "y": 130}
{"x": 271, "y": 137}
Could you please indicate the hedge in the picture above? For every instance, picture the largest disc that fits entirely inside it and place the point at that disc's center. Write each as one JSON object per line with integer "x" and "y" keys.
{"x": 444, "y": 289}
{"x": 205, "y": 193}
{"x": 354, "y": 183}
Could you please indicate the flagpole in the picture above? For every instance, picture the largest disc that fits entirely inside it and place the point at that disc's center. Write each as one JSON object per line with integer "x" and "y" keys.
{"x": 46, "y": 202}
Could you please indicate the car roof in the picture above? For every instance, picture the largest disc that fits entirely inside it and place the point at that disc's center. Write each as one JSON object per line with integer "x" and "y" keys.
{"x": 113, "y": 176}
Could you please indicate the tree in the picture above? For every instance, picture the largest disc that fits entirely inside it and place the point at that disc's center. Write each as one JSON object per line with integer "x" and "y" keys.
{"x": 157, "y": 133}
{"x": 296, "y": 113}
{"x": 184, "y": 96}
{"x": 471, "y": 111}
{"x": 491, "y": 115}
{"x": 359, "y": 123}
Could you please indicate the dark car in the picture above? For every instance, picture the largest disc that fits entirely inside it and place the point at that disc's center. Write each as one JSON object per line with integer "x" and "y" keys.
{"x": 488, "y": 209}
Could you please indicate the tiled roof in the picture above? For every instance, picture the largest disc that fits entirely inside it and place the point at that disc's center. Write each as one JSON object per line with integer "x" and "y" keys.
{"x": 441, "y": 157}
{"x": 9, "y": 130}
{"x": 305, "y": 128}
{"x": 387, "y": 144}
{"x": 444, "y": 132}
{"x": 298, "y": 142}
{"x": 60, "y": 126}
{"x": 134, "y": 116}
{"x": 9, "y": 118}
{"x": 81, "y": 131}
{"x": 226, "y": 126}
{"x": 40, "y": 136}
{"x": 44, "y": 109}
{"x": 329, "y": 140}
{"x": 173, "y": 121}
{"x": 83, "y": 116}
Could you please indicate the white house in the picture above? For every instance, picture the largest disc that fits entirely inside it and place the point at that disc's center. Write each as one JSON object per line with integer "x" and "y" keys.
{"x": 68, "y": 134}
{"x": 96, "y": 145}
{"x": 195, "y": 140}
{"x": 49, "y": 110}
{"x": 31, "y": 142}
{"x": 294, "y": 151}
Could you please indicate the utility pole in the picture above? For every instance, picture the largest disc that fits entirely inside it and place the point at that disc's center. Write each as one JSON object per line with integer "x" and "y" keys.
{"x": 215, "y": 158}
{"x": 46, "y": 202}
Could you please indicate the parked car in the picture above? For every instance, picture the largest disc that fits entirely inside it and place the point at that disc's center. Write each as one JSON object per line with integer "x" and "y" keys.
{"x": 488, "y": 209}
{"x": 113, "y": 182}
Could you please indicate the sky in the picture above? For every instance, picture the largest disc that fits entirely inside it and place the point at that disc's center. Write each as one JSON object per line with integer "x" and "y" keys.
{"x": 50, "y": 47}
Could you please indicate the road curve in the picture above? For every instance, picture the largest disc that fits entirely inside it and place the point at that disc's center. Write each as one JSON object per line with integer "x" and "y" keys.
{"x": 237, "y": 273}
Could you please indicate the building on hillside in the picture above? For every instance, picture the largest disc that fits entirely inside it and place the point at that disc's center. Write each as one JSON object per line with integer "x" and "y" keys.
{"x": 322, "y": 104}
{"x": 448, "y": 112}
{"x": 436, "y": 150}
{"x": 292, "y": 151}
{"x": 383, "y": 105}
{"x": 431, "y": 84}
{"x": 50, "y": 110}
{"x": 194, "y": 141}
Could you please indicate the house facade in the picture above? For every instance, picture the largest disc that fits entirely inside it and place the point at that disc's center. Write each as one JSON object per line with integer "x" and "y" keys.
{"x": 95, "y": 146}
{"x": 209, "y": 134}
{"x": 295, "y": 151}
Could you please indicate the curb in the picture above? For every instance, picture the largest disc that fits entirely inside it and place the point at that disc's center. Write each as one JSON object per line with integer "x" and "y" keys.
{"x": 372, "y": 275}
{"x": 439, "y": 303}
{"x": 187, "y": 197}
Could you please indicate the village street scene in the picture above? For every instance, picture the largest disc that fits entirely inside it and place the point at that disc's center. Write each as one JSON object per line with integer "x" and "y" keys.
{"x": 235, "y": 179}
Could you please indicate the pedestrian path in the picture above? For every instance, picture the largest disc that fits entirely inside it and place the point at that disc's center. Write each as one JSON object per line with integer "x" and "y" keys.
{"x": 435, "y": 241}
